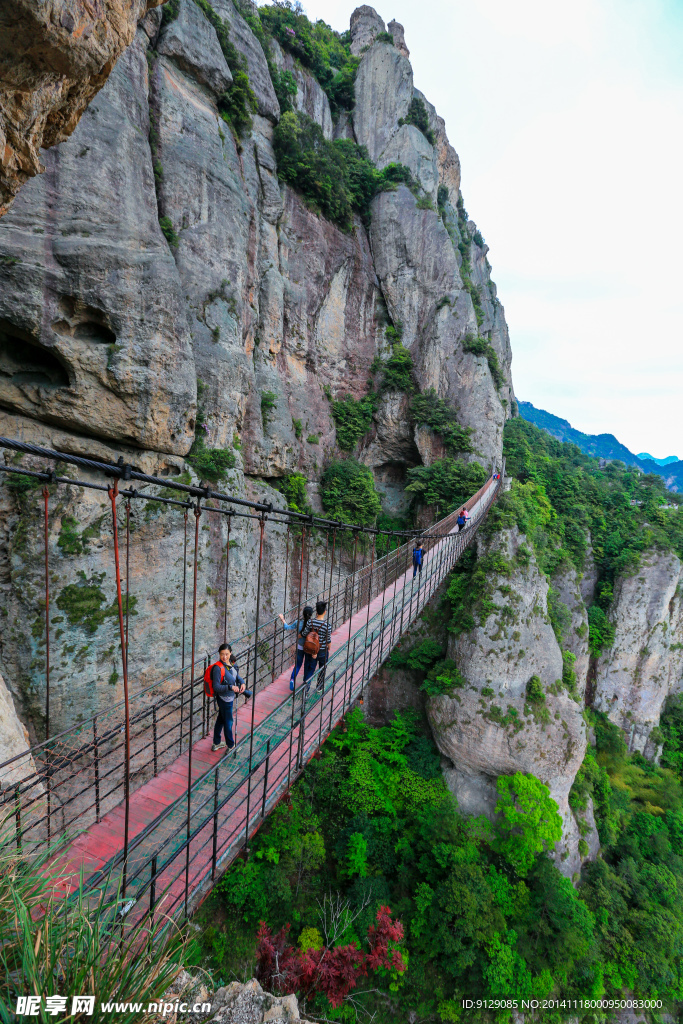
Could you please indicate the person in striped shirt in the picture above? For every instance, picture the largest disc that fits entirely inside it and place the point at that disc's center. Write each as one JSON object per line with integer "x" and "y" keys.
{"x": 318, "y": 624}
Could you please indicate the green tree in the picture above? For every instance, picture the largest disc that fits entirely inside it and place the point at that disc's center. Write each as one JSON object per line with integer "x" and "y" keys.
{"x": 530, "y": 822}
{"x": 347, "y": 492}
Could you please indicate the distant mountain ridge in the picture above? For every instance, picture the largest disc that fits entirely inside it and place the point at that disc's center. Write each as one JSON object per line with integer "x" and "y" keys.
{"x": 660, "y": 462}
{"x": 604, "y": 446}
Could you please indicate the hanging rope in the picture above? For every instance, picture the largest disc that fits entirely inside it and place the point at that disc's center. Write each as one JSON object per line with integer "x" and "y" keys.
{"x": 227, "y": 579}
{"x": 182, "y": 685}
{"x": 197, "y": 514}
{"x": 46, "y": 495}
{"x": 113, "y": 493}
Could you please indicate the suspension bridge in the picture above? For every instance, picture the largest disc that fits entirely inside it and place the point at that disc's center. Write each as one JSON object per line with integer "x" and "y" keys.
{"x": 134, "y": 798}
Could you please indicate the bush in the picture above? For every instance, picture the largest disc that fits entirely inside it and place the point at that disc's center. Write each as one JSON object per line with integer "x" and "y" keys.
{"x": 336, "y": 178}
{"x": 529, "y": 820}
{"x": 601, "y": 631}
{"x": 210, "y": 464}
{"x": 268, "y": 403}
{"x": 535, "y": 693}
{"x": 445, "y": 483}
{"x": 431, "y": 411}
{"x": 293, "y": 487}
{"x": 420, "y": 657}
{"x": 396, "y": 371}
{"x": 166, "y": 225}
{"x": 322, "y": 51}
{"x": 347, "y": 492}
{"x": 384, "y": 37}
{"x": 352, "y": 419}
{"x": 481, "y": 347}
{"x": 417, "y": 115}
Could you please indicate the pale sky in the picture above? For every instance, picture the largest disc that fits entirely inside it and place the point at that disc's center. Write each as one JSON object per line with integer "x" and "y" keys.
{"x": 568, "y": 119}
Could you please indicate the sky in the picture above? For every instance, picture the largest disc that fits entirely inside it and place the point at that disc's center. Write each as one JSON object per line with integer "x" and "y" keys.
{"x": 568, "y": 120}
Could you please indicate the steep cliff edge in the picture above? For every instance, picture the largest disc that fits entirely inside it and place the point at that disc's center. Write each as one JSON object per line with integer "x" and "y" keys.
{"x": 163, "y": 290}
{"x": 53, "y": 59}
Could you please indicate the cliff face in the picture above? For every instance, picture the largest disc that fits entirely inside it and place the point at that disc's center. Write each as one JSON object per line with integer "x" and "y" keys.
{"x": 499, "y": 724}
{"x": 54, "y": 57}
{"x": 157, "y": 250}
{"x": 645, "y": 663}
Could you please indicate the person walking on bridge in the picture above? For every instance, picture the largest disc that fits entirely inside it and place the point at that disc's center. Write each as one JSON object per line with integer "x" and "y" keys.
{"x": 299, "y": 627}
{"x": 317, "y": 634}
{"x": 418, "y": 554}
{"x": 225, "y": 685}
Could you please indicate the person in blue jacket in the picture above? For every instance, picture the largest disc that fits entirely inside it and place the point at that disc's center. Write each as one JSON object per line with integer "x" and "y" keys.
{"x": 417, "y": 558}
{"x": 299, "y": 625}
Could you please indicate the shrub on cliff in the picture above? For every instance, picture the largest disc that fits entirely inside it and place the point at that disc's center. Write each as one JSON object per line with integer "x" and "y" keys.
{"x": 352, "y": 418}
{"x": 336, "y": 178}
{"x": 347, "y": 492}
{"x": 446, "y": 483}
{"x": 321, "y": 50}
{"x": 431, "y": 411}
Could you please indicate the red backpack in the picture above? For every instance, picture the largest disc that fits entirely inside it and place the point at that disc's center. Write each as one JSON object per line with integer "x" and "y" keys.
{"x": 208, "y": 684}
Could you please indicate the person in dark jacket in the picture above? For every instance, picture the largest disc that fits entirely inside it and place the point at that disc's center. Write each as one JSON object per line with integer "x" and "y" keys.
{"x": 418, "y": 554}
{"x": 322, "y": 627}
{"x": 227, "y": 684}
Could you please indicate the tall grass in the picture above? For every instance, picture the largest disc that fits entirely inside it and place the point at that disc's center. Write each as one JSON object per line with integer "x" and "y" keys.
{"x": 52, "y": 946}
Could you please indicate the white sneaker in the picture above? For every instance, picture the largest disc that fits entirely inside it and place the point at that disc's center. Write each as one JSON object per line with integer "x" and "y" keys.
{"x": 217, "y": 746}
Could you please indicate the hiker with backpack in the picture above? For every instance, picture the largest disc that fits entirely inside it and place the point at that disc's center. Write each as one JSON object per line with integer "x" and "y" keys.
{"x": 223, "y": 682}
{"x": 417, "y": 558}
{"x": 317, "y": 634}
{"x": 299, "y": 626}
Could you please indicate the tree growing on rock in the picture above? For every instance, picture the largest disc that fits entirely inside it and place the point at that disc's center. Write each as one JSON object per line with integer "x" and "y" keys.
{"x": 529, "y": 820}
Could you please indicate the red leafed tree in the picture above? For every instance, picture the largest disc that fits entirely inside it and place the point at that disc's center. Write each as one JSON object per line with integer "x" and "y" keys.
{"x": 284, "y": 968}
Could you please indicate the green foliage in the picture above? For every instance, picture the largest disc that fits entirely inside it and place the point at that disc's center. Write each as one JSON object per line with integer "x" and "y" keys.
{"x": 421, "y": 656}
{"x": 671, "y": 729}
{"x": 396, "y": 372}
{"x": 390, "y": 833}
{"x": 58, "y": 947}
{"x": 238, "y": 102}
{"x": 529, "y": 820}
{"x": 322, "y": 51}
{"x": 431, "y": 411}
{"x": 347, "y": 492}
{"x": 313, "y": 439}
{"x": 268, "y": 403}
{"x": 352, "y": 418}
{"x": 166, "y": 225}
{"x": 82, "y": 603}
{"x": 535, "y": 693}
{"x": 298, "y": 428}
{"x": 210, "y": 464}
{"x": 601, "y": 631}
{"x": 336, "y": 178}
{"x": 445, "y": 483}
{"x": 443, "y": 678}
{"x": 293, "y": 486}
{"x": 170, "y": 11}
{"x": 385, "y": 37}
{"x": 69, "y": 538}
{"x": 481, "y": 347}
{"x": 417, "y": 115}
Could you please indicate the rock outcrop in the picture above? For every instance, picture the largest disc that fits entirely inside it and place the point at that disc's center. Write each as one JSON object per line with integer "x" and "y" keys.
{"x": 496, "y": 725}
{"x": 645, "y": 663}
{"x": 54, "y": 57}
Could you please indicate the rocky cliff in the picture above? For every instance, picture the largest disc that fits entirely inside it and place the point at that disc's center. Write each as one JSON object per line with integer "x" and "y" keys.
{"x": 54, "y": 57}
{"x": 160, "y": 259}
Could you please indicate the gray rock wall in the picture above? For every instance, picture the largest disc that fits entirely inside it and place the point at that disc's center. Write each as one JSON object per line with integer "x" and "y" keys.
{"x": 645, "y": 663}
